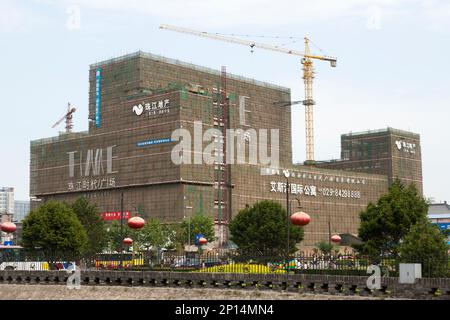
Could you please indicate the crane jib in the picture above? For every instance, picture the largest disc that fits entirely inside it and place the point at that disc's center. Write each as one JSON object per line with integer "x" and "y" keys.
{"x": 251, "y": 44}
{"x": 308, "y": 72}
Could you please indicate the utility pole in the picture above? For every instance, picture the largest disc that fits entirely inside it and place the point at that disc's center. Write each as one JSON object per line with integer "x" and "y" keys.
{"x": 121, "y": 230}
{"x": 329, "y": 233}
{"x": 287, "y": 217}
{"x": 287, "y": 174}
{"x": 189, "y": 226}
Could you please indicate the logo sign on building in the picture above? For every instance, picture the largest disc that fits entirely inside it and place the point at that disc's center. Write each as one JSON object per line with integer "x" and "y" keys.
{"x": 98, "y": 78}
{"x": 152, "y": 108}
{"x": 107, "y": 216}
{"x": 92, "y": 172}
{"x": 407, "y": 147}
{"x": 153, "y": 142}
{"x": 314, "y": 191}
{"x": 316, "y": 177}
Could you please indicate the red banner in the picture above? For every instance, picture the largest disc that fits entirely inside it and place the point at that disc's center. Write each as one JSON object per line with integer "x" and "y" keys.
{"x": 115, "y": 215}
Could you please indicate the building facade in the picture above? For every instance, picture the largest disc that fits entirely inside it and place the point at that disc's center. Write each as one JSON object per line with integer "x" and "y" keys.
{"x": 391, "y": 152}
{"x": 21, "y": 210}
{"x": 6, "y": 200}
{"x": 155, "y": 124}
{"x": 6, "y": 212}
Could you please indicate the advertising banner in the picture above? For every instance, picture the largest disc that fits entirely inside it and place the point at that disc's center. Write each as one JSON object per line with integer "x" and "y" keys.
{"x": 115, "y": 215}
{"x": 98, "y": 79}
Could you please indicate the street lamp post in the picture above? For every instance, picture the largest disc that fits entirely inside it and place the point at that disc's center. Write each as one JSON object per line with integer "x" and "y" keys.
{"x": 287, "y": 215}
{"x": 287, "y": 174}
{"x": 329, "y": 233}
{"x": 121, "y": 229}
{"x": 299, "y": 218}
{"x": 189, "y": 227}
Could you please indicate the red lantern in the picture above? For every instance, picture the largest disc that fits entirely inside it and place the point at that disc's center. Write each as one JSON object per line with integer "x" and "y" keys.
{"x": 202, "y": 241}
{"x": 300, "y": 218}
{"x": 136, "y": 223}
{"x": 128, "y": 241}
{"x": 335, "y": 238}
{"x": 8, "y": 227}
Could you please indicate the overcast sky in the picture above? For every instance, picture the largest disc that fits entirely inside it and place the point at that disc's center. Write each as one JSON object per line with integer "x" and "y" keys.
{"x": 393, "y": 65}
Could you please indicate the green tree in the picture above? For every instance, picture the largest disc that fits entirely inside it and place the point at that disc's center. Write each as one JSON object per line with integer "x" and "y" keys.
{"x": 386, "y": 223}
{"x": 198, "y": 224}
{"x": 153, "y": 234}
{"x": 92, "y": 223}
{"x": 176, "y": 236}
{"x": 116, "y": 234}
{"x": 261, "y": 230}
{"x": 426, "y": 244}
{"x": 55, "y": 230}
{"x": 325, "y": 247}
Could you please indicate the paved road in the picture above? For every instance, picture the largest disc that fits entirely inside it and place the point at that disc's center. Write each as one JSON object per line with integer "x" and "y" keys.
{"x": 61, "y": 292}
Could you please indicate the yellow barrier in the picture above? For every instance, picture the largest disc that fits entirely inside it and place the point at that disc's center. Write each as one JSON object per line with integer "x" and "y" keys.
{"x": 111, "y": 264}
{"x": 242, "y": 268}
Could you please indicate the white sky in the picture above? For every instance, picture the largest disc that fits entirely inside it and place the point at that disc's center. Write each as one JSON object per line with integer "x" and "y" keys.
{"x": 393, "y": 65}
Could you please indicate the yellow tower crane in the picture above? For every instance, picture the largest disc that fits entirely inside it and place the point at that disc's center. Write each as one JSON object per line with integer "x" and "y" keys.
{"x": 308, "y": 73}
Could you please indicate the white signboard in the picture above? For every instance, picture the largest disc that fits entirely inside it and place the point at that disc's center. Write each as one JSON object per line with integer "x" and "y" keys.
{"x": 152, "y": 108}
{"x": 92, "y": 184}
{"x": 406, "y": 147}
{"x": 91, "y": 172}
{"x": 315, "y": 176}
{"x": 314, "y": 191}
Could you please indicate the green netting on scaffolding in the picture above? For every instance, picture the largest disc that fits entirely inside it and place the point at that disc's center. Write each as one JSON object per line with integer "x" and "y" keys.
{"x": 370, "y": 146}
{"x": 195, "y": 195}
{"x": 178, "y": 86}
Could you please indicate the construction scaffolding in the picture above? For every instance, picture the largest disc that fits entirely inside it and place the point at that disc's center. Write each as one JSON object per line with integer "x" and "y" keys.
{"x": 222, "y": 174}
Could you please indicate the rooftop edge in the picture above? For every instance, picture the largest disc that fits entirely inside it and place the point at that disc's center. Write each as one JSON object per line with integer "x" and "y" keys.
{"x": 188, "y": 65}
{"x": 388, "y": 129}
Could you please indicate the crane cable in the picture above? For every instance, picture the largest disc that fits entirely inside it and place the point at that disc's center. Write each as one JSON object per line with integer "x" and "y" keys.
{"x": 294, "y": 38}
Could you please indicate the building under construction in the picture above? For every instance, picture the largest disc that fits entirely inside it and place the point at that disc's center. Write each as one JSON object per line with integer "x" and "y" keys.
{"x": 142, "y": 106}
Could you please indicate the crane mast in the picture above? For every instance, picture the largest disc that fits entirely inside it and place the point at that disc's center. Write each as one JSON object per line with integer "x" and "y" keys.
{"x": 68, "y": 117}
{"x": 308, "y": 74}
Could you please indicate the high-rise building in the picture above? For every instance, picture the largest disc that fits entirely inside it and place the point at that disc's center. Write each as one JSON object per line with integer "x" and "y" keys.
{"x": 21, "y": 209}
{"x": 6, "y": 211}
{"x": 6, "y": 200}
